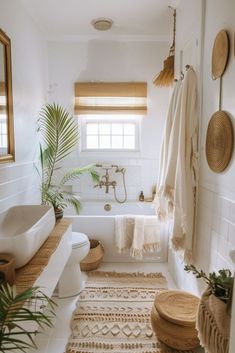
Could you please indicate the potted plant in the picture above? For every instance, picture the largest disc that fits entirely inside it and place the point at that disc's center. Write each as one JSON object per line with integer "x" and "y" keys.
{"x": 220, "y": 285}
{"x": 214, "y": 316}
{"x": 60, "y": 136}
{"x": 18, "y": 309}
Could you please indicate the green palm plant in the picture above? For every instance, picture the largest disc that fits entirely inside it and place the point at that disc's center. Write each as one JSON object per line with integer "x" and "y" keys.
{"x": 30, "y": 306}
{"x": 60, "y": 135}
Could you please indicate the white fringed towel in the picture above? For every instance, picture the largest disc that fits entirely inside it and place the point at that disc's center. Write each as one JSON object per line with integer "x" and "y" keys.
{"x": 168, "y": 157}
{"x": 146, "y": 236}
{"x": 186, "y": 174}
{"x": 139, "y": 234}
{"x": 176, "y": 187}
{"x": 124, "y": 230}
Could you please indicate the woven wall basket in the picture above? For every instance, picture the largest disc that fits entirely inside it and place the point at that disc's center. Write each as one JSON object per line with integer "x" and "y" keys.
{"x": 220, "y": 54}
{"x": 94, "y": 258}
{"x": 219, "y": 141}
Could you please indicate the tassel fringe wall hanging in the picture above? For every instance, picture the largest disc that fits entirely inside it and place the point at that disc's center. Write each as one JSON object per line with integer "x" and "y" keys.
{"x": 166, "y": 76}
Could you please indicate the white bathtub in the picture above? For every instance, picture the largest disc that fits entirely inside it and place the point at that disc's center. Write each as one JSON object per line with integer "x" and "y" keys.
{"x": 96, "y": 208}
{"x": 97, "y": 223}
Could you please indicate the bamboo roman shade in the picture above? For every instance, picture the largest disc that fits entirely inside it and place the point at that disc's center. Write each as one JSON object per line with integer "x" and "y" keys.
{"x": 2, "y": 89}
{"x": 111, "y": 98}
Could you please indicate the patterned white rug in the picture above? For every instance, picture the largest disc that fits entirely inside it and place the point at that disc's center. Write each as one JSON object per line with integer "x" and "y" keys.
{"x": 113, "y": 314}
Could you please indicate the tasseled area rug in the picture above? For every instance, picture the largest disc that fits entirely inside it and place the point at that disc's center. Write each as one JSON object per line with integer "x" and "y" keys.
{"x": 113, "y": 314}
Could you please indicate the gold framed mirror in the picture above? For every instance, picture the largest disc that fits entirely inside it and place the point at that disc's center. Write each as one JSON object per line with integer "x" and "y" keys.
{"x": 7, "y": 151}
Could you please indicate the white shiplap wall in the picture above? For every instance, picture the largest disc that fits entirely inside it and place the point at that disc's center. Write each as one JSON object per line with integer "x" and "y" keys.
{"x": 18, "y": 185}
{"x": 18, "y": 180}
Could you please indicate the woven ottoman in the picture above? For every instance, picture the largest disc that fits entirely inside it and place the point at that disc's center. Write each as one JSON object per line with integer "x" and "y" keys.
{"x": 173, "y": 319}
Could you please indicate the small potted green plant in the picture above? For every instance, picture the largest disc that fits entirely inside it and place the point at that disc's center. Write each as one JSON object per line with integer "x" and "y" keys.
{"x": 29, "y": 306}
{"x": 220, "y": 284}
{"x": 60, "y": 136}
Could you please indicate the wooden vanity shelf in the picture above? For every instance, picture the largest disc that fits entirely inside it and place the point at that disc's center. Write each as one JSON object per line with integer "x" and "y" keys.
{"x": 27, "y": 275}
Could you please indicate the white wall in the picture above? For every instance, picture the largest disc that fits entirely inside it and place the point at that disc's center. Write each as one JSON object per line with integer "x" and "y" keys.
{"x": 216, "y": 205}
{"x": 18, "y": 183}
{"x": 217, "y": 201}
{"x": 97, "y": 60}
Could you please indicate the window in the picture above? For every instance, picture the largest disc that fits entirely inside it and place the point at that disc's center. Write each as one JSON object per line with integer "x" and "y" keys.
{"x": 110, "y": 133}
{"x": 110, "y": 114}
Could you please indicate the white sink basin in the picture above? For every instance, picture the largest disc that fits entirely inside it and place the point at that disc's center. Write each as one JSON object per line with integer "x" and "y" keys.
{"x": 23, "y": 229}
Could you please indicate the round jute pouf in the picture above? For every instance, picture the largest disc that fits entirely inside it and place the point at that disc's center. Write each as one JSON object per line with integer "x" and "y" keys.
{"x": 173, "y": 319}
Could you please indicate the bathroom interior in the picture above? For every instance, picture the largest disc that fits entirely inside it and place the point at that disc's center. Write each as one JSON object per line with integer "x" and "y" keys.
{"x": 117, "y": 231}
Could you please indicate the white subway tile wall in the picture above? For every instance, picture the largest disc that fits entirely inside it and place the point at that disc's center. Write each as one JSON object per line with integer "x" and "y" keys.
{"x": 215, "y": 238}
{"x": 141, "y": 175}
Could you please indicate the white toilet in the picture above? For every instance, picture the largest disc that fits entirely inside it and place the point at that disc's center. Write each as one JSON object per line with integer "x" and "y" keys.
{"x": 70, "y": 282}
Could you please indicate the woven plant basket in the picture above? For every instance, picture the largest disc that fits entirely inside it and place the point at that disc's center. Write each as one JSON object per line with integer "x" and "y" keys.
{"x": 213, "y": 323}
{"x": 94, "y": 258}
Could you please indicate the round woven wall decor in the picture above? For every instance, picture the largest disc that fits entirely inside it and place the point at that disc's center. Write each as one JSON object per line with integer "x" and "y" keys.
{"x": 219, "y": 141}
{"x": 220, "y": 54}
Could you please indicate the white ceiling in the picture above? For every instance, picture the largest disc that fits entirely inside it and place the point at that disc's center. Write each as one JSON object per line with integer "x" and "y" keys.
{"x": 68, "y": 19}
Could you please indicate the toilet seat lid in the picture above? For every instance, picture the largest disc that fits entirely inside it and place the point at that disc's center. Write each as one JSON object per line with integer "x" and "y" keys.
{"x": 78, "y": 240}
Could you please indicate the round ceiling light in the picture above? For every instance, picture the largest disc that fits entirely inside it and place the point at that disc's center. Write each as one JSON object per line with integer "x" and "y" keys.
{"x": 102, "y": 24}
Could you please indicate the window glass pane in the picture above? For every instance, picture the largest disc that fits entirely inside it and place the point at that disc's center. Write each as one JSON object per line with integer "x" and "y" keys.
{"x": 106, "y": 133}
{"x": 129, "y": 142}
{"x": 92, "y": 142}
{"x": 104, "y": 129}
{"x": 129, "y": 129}
{"x": 117, "y": 129}
{"x": 92, "y": 129}
{"x": 104, "y": 142}
{"x": 4, "y": 128}
{"x": 3, "y": 100}
{"x": 117, "y": 142}
{"x": 4, "y": 141}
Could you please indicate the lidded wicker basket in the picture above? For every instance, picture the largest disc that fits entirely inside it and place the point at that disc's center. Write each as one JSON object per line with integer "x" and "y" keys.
{"x": 94, "y": 258}
{"x": 173, "y": 319}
